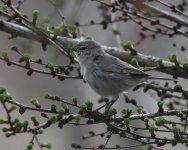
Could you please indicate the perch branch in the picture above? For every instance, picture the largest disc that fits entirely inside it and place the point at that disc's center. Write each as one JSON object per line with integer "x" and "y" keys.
{"x": 144, "y": 60}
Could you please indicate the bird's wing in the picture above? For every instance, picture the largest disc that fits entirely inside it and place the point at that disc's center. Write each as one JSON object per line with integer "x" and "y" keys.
{"x": 113, "y": 65}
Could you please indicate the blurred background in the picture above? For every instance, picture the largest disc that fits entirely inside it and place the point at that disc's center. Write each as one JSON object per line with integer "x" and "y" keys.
{"x": 23, "y": 87}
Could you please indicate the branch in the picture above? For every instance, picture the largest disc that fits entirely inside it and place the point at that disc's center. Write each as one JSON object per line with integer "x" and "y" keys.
{"x": 166, "y": 14}
{"x": 144, "y": 60}
{"x": 157, "y": 114}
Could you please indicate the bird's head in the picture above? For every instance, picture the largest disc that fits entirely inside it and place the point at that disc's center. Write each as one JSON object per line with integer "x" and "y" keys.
{"x": 87, "y": 50}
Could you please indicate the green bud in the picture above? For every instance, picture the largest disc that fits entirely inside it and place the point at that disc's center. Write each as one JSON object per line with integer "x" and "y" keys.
{"x": 175, "y": 130}
{"x": 46, "y": 27}
{"x": 61, "y": 111}
{"x": 57, "y": 98}
{"x": 26, "y": 57}
{"x": 112, "y": 111}
{"x": 160, "y": 61}
{"x": 140, "y": 109}
{"x": 49, "y": 146}
{"x": 172, "y": 57}
{"x": 185, "y": 65}
{"x": 146, "y": 120}
{"x": 134, "y": 62}
{"x": 77, "y": 117}
{"x": 88, "y": 37}
{"x": 74, "y": 99}
{"x": 46, "y": 95}
{"x": 4, "y": 54}
{"x": 51, "y": 67}
{"x": 53, "y": 119}
{"x": 5, "y": 96}
{"x": 46, "y": 20}
{"x": 57, "y": 30}
{"x": 180, "y": 114}
{"x": 127, "y": 112}
{"x": 61, "y": 25}
{"x": 40, "y": 131}
{"x": 8, "y": 134}
{"x": 126, "y": 121}
{"x": 25, "y": 124}
{"x": 16, "y": 120}
{"x": 64, "y": 105}
{"x": 13, "y": 107}
{"x": 29, "y": 147}
{"x": 71, "y": 43}
{"x": 127, "y": 45}
{"x": 4, "y": 8}
{"x": 19, "y": 124}
{"x": 5, "y": 129}
{"x": 8, "y": 96}
{"x": 2, "y": 90}
{"x": 160, "y": 104}
{"x": 152, "y": 128}
{"x": 86, "y": 105}
{"x": 83, "y": 106}
{"x": 160, "y": 121}
{"x": 53, "y": 106}
{"x": 72, "y": 28}
{"x": 33, "y": 118}
{"x": 34, "y": 101}
{"x": 35, "y": 15}
{"x": 89, "y": 105}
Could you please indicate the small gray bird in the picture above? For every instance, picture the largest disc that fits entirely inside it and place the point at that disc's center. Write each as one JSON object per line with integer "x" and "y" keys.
{"x": 106, "y": 74}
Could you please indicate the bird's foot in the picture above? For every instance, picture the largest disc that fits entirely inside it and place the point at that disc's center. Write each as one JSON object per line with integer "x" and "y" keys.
{"x": 108, "y": 104}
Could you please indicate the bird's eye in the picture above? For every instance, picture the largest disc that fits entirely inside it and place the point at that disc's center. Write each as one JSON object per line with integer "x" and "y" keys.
{"x": 82, "y": 48}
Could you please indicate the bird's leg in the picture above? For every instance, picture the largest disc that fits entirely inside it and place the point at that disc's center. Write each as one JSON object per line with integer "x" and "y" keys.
{"x": 109, "y": 103}
{"x": 113, "y": 101}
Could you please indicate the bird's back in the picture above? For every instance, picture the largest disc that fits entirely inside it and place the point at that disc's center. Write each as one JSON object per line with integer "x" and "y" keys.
{"x": 110, "y": 76}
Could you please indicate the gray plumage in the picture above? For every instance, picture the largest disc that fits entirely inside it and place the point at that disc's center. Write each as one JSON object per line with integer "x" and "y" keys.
{"x": 107, "y": 75}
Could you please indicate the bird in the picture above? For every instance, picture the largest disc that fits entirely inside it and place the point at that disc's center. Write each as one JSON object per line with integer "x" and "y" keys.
{"x": 106, "y": 75}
